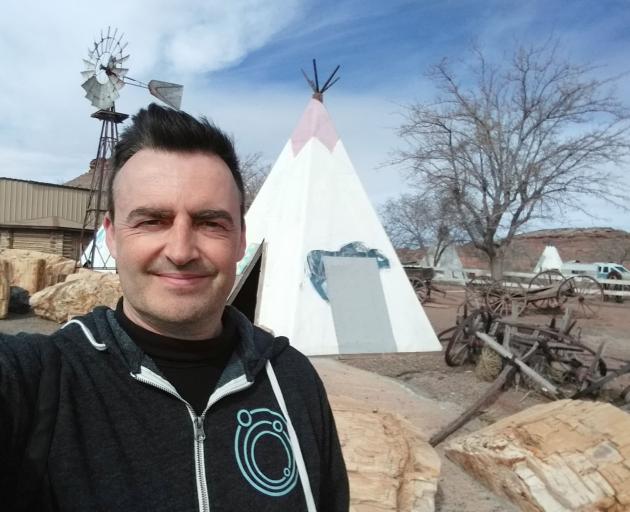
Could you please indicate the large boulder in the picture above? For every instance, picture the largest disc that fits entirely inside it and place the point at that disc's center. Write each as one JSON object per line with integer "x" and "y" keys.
{"x": 567, "y": 455}
{"x": 34, "y": 270}
{"x": 391, "y": 467}
{"x": 78, "y": 295}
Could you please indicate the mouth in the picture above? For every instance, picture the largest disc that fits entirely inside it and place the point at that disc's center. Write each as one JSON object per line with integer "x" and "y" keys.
{"x": 185, "y": 280}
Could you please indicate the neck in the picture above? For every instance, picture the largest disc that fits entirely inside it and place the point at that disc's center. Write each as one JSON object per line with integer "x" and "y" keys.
{"x": 190, "y": 330}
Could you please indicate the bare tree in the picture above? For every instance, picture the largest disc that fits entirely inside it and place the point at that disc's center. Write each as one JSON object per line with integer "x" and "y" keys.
{"x": 418, "y": 221}
{"x": 254, "y": 172}
{"x": 522, "y": 140}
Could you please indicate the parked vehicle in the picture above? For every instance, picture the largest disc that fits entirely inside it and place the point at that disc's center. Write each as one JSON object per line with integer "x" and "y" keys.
{"x": 597, "y": 270}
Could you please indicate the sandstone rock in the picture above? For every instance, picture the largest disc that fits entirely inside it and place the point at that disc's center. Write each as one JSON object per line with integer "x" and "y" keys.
{"x": 27, "y": 273}
{"x": 77, "y": 296}
{"x": 390, "y": 465}
{"x": 568, "y": 455}
{"x": 33, "y": 270}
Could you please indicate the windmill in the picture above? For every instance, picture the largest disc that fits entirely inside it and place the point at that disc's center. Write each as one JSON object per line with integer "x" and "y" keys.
{"x": 104, "y": 75}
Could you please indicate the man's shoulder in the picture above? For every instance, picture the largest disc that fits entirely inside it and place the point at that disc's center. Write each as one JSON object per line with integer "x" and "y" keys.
{"x": 28, "y": 343}
{"x": 296, "y": 366}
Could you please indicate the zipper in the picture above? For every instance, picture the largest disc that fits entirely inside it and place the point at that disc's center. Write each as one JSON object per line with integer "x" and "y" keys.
{"x": 150, "y": 378}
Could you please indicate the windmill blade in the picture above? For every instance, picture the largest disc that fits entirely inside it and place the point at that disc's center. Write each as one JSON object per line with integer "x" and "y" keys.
{"x": 100, "y": 95}
{"x": 171, "y": 94}
{"x": 117, "y": 82}
{"x": 121, "y": 72}
{"x": 87, "y": 74}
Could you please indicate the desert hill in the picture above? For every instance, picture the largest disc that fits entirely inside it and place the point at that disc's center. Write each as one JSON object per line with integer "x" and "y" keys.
{"x": 583, "y": 244}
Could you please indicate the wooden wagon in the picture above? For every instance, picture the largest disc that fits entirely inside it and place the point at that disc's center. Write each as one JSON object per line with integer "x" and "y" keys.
{"x": 546, "y": 291}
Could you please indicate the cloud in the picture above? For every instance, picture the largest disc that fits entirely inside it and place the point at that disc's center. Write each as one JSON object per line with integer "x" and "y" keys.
{"x": 42, "y": 45}
{"x": 216, "y": 36}
{"x": 239, "y": 62}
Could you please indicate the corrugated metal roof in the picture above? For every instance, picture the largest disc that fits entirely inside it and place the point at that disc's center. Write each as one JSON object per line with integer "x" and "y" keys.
{"x": 41, "y": 204}
{"x": 45, "y": 183}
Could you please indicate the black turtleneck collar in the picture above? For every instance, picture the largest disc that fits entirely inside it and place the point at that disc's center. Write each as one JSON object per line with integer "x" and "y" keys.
{"x": 166, "y": 348}
{"x": 193, "y": 367}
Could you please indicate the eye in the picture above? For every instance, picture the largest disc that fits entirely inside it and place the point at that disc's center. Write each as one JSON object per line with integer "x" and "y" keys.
{"x": 211, "y": 224}
{"x": 149, "y": 223}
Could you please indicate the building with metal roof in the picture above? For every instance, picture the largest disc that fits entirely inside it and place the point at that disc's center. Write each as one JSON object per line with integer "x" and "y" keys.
{"x": 42, "y": 216}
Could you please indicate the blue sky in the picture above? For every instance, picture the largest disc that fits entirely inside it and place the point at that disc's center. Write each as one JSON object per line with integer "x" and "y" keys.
{"x": 240, "y": 63}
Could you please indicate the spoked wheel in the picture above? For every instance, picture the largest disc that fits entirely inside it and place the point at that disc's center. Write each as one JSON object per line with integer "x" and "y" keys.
{"x": 476, "y": 290}
{"x": 583, "y": 294}
{"x": 541, "y": 290}
{"x": 505, "y": 297}
{"x": 421, "y": 288}
{"x": 464, "y": 346}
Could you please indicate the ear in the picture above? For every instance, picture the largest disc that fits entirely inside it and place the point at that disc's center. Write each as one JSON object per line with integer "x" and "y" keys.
{"x": 110, "y": 231}
{"x": 242, "y": 241}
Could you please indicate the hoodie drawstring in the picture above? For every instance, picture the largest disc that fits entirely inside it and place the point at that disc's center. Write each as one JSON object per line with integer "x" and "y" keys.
{"x": 295, "y": 445}
{"x": 88, "y": 334}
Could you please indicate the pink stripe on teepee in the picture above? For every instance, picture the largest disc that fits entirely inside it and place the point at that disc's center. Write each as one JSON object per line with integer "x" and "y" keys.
{"x": 315, "y": 122}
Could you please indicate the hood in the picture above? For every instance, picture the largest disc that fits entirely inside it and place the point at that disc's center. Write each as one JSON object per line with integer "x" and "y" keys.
{"x": 256, "y": 346}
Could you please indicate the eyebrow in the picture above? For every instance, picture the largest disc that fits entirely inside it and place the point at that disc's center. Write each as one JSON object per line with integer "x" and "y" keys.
{"x": 213, "y": 214}
{"x": 158, "y": 213}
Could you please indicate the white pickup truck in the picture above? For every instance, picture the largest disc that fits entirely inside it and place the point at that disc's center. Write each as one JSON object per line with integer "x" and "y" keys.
{"x": 596, "y": 270}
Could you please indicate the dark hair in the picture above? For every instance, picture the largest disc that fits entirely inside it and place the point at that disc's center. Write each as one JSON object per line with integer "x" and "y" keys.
{"x": 164, "y": 128}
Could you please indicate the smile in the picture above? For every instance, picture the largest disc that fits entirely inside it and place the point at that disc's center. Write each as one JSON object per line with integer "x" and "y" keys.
{"x": 182, "y": 280}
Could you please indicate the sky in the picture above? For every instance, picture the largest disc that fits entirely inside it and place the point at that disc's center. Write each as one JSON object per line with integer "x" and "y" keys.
{"x": 240, "y": 61}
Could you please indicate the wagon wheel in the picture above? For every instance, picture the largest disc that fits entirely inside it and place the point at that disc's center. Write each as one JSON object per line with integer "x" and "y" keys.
{"x": 476, "y": 291}
{"x": 583, "y": 294}
{"x": 464, "y": 346}
{"x": 504, "y": 297}
{"x": 544, "y": 280}
{"x": 577, "y": 368}
{"x": 421, "y": 288}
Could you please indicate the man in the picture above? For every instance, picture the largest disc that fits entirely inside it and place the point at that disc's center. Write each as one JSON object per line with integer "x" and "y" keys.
{"x": 173, "y": 401}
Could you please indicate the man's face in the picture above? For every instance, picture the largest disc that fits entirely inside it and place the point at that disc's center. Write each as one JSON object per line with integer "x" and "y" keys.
{"x": 177, "y": 237}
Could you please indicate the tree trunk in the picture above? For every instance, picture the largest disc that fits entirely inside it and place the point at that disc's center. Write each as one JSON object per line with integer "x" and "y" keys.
{"x": 496, "y": 265}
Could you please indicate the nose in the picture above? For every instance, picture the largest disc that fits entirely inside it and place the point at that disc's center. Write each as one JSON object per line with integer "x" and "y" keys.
{"x": 181, "y": 246}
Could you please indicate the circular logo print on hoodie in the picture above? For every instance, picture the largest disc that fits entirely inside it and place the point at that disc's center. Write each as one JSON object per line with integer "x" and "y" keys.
{"x": 263, "y": 451}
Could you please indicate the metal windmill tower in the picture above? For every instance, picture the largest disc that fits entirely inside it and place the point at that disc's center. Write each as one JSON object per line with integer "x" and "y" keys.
{"x": 104, "y": 75}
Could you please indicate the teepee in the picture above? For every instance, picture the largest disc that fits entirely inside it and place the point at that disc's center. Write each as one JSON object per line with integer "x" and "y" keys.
{"x": 549, "y": 260}
{"x": 103, "y": 260}
{"x": 450, "y": 265}
{"x": 319, "y": 267}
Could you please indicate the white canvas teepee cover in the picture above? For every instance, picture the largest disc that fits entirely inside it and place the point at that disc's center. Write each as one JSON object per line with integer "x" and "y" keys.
{"x": 330, "y": 279}
{"x": 549, "y": 260}
{"x": 449, "y": 262}
{"x": 103, "y": 260}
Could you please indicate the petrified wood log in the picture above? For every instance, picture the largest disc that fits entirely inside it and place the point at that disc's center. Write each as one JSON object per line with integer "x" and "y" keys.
{"x": 568, "y": 455}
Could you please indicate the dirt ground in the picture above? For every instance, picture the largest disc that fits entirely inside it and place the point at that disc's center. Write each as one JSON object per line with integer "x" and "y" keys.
{"x": 427, "y": 375}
